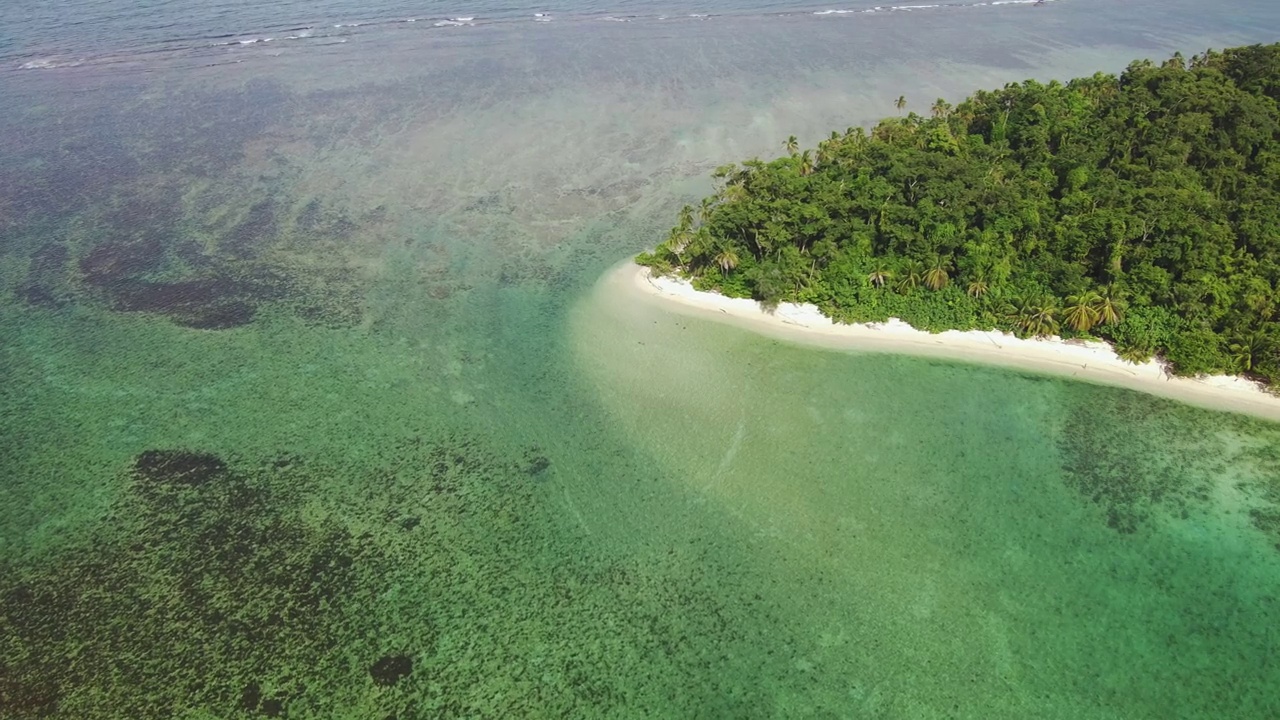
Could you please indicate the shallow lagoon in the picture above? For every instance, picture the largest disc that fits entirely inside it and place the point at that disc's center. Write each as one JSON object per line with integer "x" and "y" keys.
{"x": 308, "y": 382}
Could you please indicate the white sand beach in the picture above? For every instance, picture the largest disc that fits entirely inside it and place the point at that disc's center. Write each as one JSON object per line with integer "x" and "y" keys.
{"x": 1093, "y": 361}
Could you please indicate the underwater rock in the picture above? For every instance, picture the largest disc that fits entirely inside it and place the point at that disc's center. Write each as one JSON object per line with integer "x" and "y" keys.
{"x": 535, "y": 463}
{"x": 178, "y": 467}
{"x": 391, "y": 669}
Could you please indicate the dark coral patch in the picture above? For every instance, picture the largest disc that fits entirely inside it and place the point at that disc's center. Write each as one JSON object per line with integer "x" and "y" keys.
{"x": 37, "y": 699}
{"x": 391, "y": 669}
{"x": 49, "y": 261}
{"x": 253, "y": 233}
{"x": 217, "y": 317}
{"x": 535, "y": 463}
{"x": 178, "y": 467}
{"x": 115, "y": 262}
{"x": 213, "y": 302}
{"x": 39, "y": 296}
{"x": 273, "y": 707}
{"x": 207, "y": 303}
{"x": 44, "y": 277}
{"x": 209, "y": 582}
{"x": 251, "y": 696}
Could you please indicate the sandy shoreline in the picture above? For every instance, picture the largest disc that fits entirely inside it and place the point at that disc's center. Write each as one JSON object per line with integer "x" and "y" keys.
{"x": 1091, "y": 362}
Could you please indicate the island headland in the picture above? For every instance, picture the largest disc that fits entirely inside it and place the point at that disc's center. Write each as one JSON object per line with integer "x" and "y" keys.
{"x": 1116, "y": 228}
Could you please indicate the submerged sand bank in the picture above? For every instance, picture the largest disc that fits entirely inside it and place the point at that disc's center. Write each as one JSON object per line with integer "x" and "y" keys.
{"x": 1087, "y": 361}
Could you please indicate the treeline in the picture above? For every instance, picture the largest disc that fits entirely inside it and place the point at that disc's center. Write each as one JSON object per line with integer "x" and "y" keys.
{"x": 1143, "y": 209}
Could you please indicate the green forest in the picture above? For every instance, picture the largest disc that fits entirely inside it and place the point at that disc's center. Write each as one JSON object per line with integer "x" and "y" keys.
{"x": 1142, "y": 209}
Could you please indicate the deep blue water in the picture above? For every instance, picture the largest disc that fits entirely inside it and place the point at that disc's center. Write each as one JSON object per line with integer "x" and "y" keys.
{"x": 42, "y": 35}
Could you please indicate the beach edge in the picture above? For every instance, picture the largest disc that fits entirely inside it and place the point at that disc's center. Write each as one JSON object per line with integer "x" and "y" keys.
{"x": 1094, "y": 361}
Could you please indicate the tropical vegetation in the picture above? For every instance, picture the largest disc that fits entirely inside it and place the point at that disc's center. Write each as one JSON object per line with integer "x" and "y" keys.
{"x": 1143, "y": 209}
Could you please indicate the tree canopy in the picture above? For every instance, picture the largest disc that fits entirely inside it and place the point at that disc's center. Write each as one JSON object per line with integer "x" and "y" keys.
{"x": 1143, "y": 209}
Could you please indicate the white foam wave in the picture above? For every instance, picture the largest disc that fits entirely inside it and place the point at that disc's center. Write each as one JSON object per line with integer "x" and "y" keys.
{"x": 49, "y": 63}
{"x": 933, "y": 6}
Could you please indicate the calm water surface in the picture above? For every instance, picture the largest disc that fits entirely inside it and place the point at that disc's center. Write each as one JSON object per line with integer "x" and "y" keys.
{"x": 313, "y": 402}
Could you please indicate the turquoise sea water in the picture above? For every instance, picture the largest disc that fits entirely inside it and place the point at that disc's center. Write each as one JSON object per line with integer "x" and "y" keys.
{"x": 314, "y": 403}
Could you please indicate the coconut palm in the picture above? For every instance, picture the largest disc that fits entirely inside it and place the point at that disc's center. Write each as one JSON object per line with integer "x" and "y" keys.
{"x": 1109, "y": 306}
{"x": 791, "y": 145}
{"x": 941, "y": 108}
{"x": 879, "y": 276}
{"x": 978, "y": 287}
{"x": 686, "y": 217}
{"x": 806, "y": 163}
{"x": 727, "y": 259}
{"x": 936, "y": 277}
{"x": 912, "y": 274}
{"x": 1082, "y": 311}
{"x": 1034, "y": 316}
{"x": 676, "y": 242}
{"x": 1135, "y": 354}
{"x": 733, "y": 192}
{"x": 1247, "y": 350}
{"x": 900, "y": 103}
{"x": 1040, "y": 318}
{"x": 705, "y": 209}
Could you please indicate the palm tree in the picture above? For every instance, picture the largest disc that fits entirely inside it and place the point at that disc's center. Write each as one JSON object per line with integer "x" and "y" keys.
{"x": 1247, "y": 350}
{"x": 1082, "y": 311}
{"x": 941, "y": 108}
{"x": 791, "y": 145}
{"x": 900, "y": 103}
{"x": 912, "y": 271}
{"x": 677, "y": 241}
{"x": 1109, "y": 306}
{"x": 1041, "y": 319}
{"x": 978, "y": 287}
{"x": 806, "y": 163}
{"x": 1135, "y": 354}
{"x": 1035, "y": 316}
{"x": 733, "y": 192}
{"x": 705, "y": 210}
{"x": 686, "y": 217}
{"x": 879, "y": 276}
{"x": 936, "y": 277}
{"x": 727, "y": 260}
